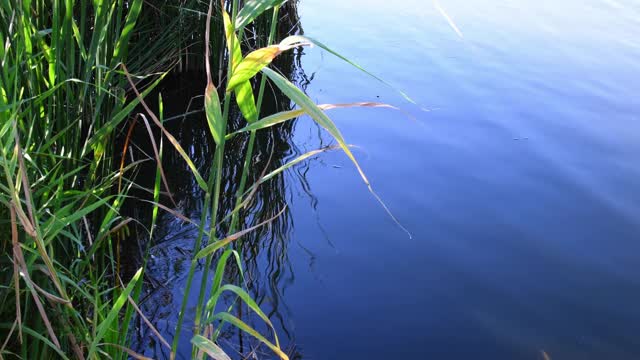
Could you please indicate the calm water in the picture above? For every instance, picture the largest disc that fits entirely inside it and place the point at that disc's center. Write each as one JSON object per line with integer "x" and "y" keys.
{"x": 519, "y": 185}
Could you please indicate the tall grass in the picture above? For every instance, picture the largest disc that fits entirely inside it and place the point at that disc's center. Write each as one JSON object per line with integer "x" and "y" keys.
{"x": 62, "y": 97}
{"x": 74, "y": 75}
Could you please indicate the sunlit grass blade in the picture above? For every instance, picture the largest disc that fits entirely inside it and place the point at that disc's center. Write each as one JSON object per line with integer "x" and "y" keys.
{"x": 283, "y": 116}
{"x": 295, "y": 161}
{"x": 123, "y": 41}
{"x": 209, "y": 348}
{"x": 249, "y": 330}
{"x": 256, "y": 60}
{"x": 315, "y": 112}
{"x": 323, "y": 120}
{"x": 354, "y": 64}
{"x": 249, "y": 302}
{"x": 252, "y": 9}
{"x": 251, "y": 65}
{"x": 214, "y": 113}
{"x": 233, "y": 45}
{"x": 106, "y": 325}
{"x": 444, "y": 14}
{"x": 210, "y": 249}
{"x": 246, "y": 101}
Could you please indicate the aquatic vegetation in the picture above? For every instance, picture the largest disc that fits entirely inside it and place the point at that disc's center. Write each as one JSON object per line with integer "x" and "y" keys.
{"x": 74, "y": 78}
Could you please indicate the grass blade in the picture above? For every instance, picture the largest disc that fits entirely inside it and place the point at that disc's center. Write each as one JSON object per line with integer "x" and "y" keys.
{"x": 252, "y": 9}
{"x": 246, "y": 102}
{"x": 251, "y": 65}
{"x": 331, "y": 51}
{"x": 214, "y": 113}
{"x": 283, "y": 116}
{"x": 112, "y": 315}
{"x": 210, "y": 249}
{"x": 249, "y": 330}
{"x": 323, "y": 120}
{"x": 315, "y": 112}
{"x": 209, "y": 347}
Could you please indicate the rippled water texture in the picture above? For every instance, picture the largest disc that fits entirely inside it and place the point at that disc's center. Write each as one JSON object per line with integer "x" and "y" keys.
{"x": 519, "y": 185}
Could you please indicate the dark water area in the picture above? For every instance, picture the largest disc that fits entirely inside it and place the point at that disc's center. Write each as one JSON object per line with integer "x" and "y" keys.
{"x": 518, "y": 181}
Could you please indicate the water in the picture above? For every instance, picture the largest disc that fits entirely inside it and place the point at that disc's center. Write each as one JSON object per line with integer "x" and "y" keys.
{"x": 519, "y": 186}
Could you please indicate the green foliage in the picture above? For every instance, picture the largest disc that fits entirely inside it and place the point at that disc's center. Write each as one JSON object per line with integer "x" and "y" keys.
{"x": 72, "y": 73}
{"x": 62, "y": 97}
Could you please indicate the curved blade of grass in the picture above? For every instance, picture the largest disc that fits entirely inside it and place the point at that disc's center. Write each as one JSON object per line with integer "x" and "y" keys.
{"x": 315, "y": 112}
{"x": 211, "y": 99}
{"x": 246, "y": 102}
{"x": 256, "y": 60}
{"x": 251, "y": 65}
{"x": 209, "y": 347}
{"x": 105, "y": 325}
{"x": 40, "y": 337}
{"x": 283, "y": 116}
{"x": 123, "y": 42}
{"x": 252, "y": 9}
{"x": 323, "y": 120}
{"x": 249, "y": 330}
{"x": 217, "y": 279}
{"x": 214, "y": 113}
{"x": 251, "y": 304}
{"x": 295, "y": 161}
{"x": 222, "y": 243}
{"x": 174, "y": 142}
{"x": 244, "y": 92}
{"x": 233, "y": 45}
{"x": 331, "y": 51}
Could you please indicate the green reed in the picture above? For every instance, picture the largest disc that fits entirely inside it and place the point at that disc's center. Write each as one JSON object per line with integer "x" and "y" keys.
{"x": 62, "y": 98}
{"x": 73, "y": 75}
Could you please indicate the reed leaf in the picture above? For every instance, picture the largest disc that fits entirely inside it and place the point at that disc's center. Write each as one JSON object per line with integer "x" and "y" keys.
{"x": 249, "y": 330}
{"x": 252, "y": 9}
{"x": 315, "y": 112}
{"x": 251, "y": 65}
{"x": 214, "y": 113}
{"x": 244, "y": 91}
{"x": 209, "y": 347}
{"x": 246, "y": 101}
{"x": 357, "y": 66}
{"x": 112, "y": 315}
{"x": 123, "y": 41}
{"x": 283, "y": 116}
{"x": 248, "y": 301}
{"x": 256, "y": 60}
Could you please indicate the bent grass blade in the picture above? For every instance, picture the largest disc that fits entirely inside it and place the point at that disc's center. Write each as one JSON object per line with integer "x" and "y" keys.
{"x": 323, "y": 120}
{"x": 209, "y": 347}
{"x": 252, "y": 9}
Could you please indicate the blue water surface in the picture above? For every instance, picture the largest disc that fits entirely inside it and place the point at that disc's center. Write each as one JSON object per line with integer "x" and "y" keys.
{"x": 516, "y": 173}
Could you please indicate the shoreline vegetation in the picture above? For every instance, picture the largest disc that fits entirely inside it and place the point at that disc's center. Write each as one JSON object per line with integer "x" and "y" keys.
{"x": 76, "y": 77}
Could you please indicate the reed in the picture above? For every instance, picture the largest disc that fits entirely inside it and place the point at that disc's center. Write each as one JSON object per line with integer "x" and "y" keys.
{"x": 62, "y": 99}
{"x": 74, "y": 78}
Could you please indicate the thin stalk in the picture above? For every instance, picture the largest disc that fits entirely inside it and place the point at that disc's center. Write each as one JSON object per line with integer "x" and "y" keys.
{"x": 252, "y": 136}
{"x": 216, "y": 172}
{"x": 194, "y": 264}
{"x": 219, "y": 162}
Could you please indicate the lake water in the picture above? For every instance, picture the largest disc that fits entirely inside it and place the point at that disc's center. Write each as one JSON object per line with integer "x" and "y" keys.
{"x": 517, "y": 176}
